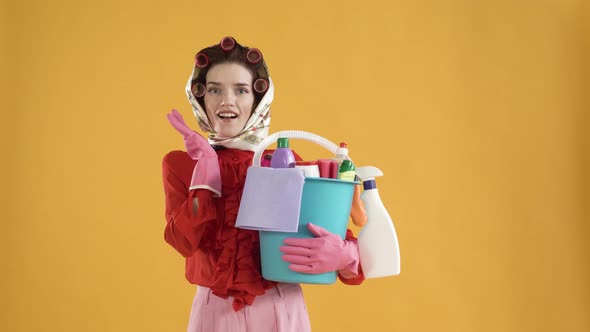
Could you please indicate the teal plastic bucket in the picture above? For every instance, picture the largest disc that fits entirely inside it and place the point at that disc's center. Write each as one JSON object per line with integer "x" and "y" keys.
{"x": 324, "y": 202}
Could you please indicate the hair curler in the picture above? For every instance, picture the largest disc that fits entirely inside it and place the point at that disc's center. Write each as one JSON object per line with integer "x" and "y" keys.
{"x": 201, "y": 60}
{"x": 227, "y": 43}
{"x": 253, "y": 56}
{"x": 198, "y": 90}
{"x": 260, "y": 85}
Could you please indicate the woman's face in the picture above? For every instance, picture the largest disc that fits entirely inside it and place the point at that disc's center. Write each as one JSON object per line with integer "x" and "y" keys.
{"x": 229, "y": 98}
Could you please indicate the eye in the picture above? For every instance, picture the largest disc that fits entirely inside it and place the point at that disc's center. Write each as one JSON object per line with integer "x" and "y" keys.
{"x": 243, "y": 91}
{"x": 213, "y": 91}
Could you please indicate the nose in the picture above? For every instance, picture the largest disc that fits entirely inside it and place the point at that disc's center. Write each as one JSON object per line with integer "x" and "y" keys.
{"x": 228, "y": 99}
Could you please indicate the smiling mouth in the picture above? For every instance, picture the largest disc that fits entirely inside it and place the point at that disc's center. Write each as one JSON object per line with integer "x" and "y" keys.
{"x": 227, "y": 115}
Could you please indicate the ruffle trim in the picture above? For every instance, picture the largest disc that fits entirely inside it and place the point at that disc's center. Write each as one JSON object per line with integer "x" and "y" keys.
{"x": 237, "y": 272}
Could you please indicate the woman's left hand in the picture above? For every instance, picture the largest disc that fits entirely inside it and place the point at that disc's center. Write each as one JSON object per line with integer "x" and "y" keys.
{"x": 326, "y": 252}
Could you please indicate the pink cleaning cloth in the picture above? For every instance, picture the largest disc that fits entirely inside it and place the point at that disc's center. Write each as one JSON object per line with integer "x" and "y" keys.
{"x": 328, "y": 168}
{"x": 334, "y": 169}
{"x": 324, "y": 167}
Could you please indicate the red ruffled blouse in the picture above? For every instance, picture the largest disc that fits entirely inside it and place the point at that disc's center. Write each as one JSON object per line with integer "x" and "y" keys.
{"x": 218, "y": 255}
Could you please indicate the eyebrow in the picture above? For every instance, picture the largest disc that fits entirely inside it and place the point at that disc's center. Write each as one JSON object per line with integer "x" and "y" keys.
{"x": 237, "y": 84}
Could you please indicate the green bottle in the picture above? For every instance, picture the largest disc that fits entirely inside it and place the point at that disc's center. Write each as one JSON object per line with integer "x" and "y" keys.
{"x": 347, "y": 170}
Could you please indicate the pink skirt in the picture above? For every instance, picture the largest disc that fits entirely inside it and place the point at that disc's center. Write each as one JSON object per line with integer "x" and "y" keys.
{"x": 280, "y": 309}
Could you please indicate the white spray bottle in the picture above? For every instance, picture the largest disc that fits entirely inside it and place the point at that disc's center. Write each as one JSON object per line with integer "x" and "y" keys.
{"x": 377, "y": 241}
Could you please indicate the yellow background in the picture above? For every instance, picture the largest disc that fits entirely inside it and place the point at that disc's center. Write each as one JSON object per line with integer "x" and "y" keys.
{"x": 476, "y": 111}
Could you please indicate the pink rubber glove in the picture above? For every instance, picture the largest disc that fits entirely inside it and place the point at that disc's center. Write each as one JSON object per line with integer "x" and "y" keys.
{"x": 206, "y": 173}
{"x": 326, "y": 252}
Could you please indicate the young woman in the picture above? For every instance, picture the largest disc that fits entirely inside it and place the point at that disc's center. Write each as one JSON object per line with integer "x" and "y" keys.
{"x": 230, "y": 91}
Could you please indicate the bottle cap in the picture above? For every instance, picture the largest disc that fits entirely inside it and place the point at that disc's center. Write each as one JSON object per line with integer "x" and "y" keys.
{"x": 342, "y": 150}
{"x": 369, "y": 184}
{"x": 283, "y": 142}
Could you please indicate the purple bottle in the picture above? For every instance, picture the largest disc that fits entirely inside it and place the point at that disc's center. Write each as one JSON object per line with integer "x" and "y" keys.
{"x": 283, "y": 156}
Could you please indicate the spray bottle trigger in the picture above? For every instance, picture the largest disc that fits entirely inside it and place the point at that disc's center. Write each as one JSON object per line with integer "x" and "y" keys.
{"x": 366, "y": 173}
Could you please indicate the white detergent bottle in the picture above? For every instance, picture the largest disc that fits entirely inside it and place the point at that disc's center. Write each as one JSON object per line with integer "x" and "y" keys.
{"x": 341, "y": 153}
{"x": 377, "y": 241}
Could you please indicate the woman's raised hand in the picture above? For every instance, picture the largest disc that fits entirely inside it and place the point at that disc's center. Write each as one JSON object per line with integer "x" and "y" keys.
{"x": 206, "y": 174}
{"x": 196, "y": 145}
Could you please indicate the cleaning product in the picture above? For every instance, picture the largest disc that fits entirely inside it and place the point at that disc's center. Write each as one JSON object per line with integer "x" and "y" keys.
{"x": 346, "y": 171}
{"x": 377, "y": 240}
{"x": 265, "y": 162}
{"x": 357, "y": 210}
{"x": 282, "y": 157}
{"x": 310, "y": 168}
{"x": 341, "y": 153}
{"x": 358, "y": 214}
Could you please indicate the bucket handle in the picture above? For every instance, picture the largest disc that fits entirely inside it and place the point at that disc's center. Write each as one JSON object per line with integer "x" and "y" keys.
{"x": 292, "y": 134}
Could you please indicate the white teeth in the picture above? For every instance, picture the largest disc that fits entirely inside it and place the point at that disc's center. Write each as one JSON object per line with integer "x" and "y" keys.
{"x": 227, "y": 115}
